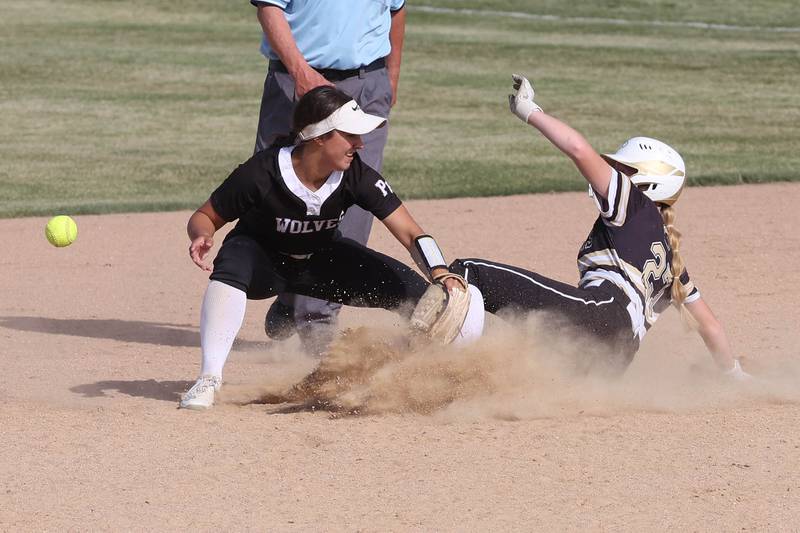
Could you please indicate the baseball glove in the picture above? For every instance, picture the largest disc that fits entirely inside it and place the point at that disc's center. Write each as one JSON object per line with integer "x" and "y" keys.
{"x": 440, "y": 313}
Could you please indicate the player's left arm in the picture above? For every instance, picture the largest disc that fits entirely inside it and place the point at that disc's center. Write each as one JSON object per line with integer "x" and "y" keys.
{"x": 406, "y": 230}
{"x": 714, "y": 337}
{"x": 564, "y": 137}
{"x": 374, "y": 194}
{"x": 397, "y": 33}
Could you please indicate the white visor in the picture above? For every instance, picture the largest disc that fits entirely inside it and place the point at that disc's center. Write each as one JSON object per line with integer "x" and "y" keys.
{"x": 349, "y": 118}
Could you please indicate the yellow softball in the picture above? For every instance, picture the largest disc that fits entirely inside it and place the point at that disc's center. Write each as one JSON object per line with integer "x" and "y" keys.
{"x": 61, "y": 231}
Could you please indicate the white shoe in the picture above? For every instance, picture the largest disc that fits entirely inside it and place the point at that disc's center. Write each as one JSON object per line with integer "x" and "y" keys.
{"x": 201, "y": 395}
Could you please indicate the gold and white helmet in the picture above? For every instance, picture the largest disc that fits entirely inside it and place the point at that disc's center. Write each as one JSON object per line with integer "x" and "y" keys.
{"x": 653, "y": 166}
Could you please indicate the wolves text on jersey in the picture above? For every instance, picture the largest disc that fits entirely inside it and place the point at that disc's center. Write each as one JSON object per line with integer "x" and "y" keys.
{"x": 288, "y": 225}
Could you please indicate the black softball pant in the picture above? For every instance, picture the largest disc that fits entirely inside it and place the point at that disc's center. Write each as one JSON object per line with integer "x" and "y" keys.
{"x": 599, "y": 311}
{"x": 345, "y": 272}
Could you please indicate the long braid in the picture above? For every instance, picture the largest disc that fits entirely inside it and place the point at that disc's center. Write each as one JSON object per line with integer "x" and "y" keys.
{"x": 676, "y": 268}
{"x": 678, "y": 291}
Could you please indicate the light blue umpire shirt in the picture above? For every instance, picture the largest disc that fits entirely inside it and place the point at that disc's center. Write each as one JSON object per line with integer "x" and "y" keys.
{"x": 338, "y": 34}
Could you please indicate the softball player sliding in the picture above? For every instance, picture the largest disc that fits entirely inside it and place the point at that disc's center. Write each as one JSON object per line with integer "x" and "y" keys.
{"x": 630, "y": 264}
{"x": 289, "y": 201}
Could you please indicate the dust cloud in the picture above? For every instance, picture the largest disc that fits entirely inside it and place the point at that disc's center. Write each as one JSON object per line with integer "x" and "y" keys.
{"x": 523, "y": 369}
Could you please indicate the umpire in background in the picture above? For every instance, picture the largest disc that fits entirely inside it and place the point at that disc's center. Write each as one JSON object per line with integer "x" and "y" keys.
{"x": 355, "y": 45}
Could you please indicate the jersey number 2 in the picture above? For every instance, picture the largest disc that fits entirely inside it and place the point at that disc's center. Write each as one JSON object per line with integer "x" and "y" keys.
{"x": 655, "y": 269}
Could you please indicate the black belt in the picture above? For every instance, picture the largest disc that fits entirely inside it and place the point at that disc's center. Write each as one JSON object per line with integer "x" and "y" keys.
{"x": 332, "y": 74}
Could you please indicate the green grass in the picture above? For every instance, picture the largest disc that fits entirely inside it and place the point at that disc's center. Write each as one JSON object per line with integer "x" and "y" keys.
{"x": 772, "y": 13}
{"x": 112, "y": 106}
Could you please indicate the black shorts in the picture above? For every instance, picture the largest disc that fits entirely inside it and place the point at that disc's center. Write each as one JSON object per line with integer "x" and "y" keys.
{"x": 601, "y": 312}
{"x": 344, "y": 272}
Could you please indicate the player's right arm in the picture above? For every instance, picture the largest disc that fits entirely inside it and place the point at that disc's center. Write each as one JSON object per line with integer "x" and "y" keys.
{"x": 279, "y": 34}
{"x": 202, "y": 226}
{"x": 596, "y": 171}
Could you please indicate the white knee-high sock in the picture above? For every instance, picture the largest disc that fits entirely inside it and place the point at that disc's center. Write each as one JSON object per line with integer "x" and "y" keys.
{"x": 220, "y": 319}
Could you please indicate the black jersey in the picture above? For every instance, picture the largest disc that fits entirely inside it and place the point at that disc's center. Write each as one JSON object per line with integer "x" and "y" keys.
{"x": 628, "y": 246}
{"x": 277, "y": 210}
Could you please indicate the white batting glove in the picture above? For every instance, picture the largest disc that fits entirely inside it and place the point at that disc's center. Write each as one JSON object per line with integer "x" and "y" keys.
{"x": 521, "y": 100}
{"x": 737, "y": 373}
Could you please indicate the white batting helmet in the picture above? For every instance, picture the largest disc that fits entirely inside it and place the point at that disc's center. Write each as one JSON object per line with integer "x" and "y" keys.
{"x": 653, "y": 166}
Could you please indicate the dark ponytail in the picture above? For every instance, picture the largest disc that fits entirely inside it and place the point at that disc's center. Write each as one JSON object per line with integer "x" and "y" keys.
{"x": 316, "y": 105}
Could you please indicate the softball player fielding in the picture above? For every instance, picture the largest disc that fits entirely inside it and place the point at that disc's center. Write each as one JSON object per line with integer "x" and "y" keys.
{"x": 289, "y": 201}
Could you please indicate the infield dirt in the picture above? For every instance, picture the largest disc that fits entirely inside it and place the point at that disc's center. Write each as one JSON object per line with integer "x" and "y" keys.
{"x": 99, "y": 339}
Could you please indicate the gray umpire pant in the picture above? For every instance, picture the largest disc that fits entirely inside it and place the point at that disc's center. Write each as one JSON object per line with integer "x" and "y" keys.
{"x": 373, "y": 92}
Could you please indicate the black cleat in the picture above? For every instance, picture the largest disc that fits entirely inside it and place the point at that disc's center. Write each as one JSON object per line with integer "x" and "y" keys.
{"x": 279, "y": 323}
